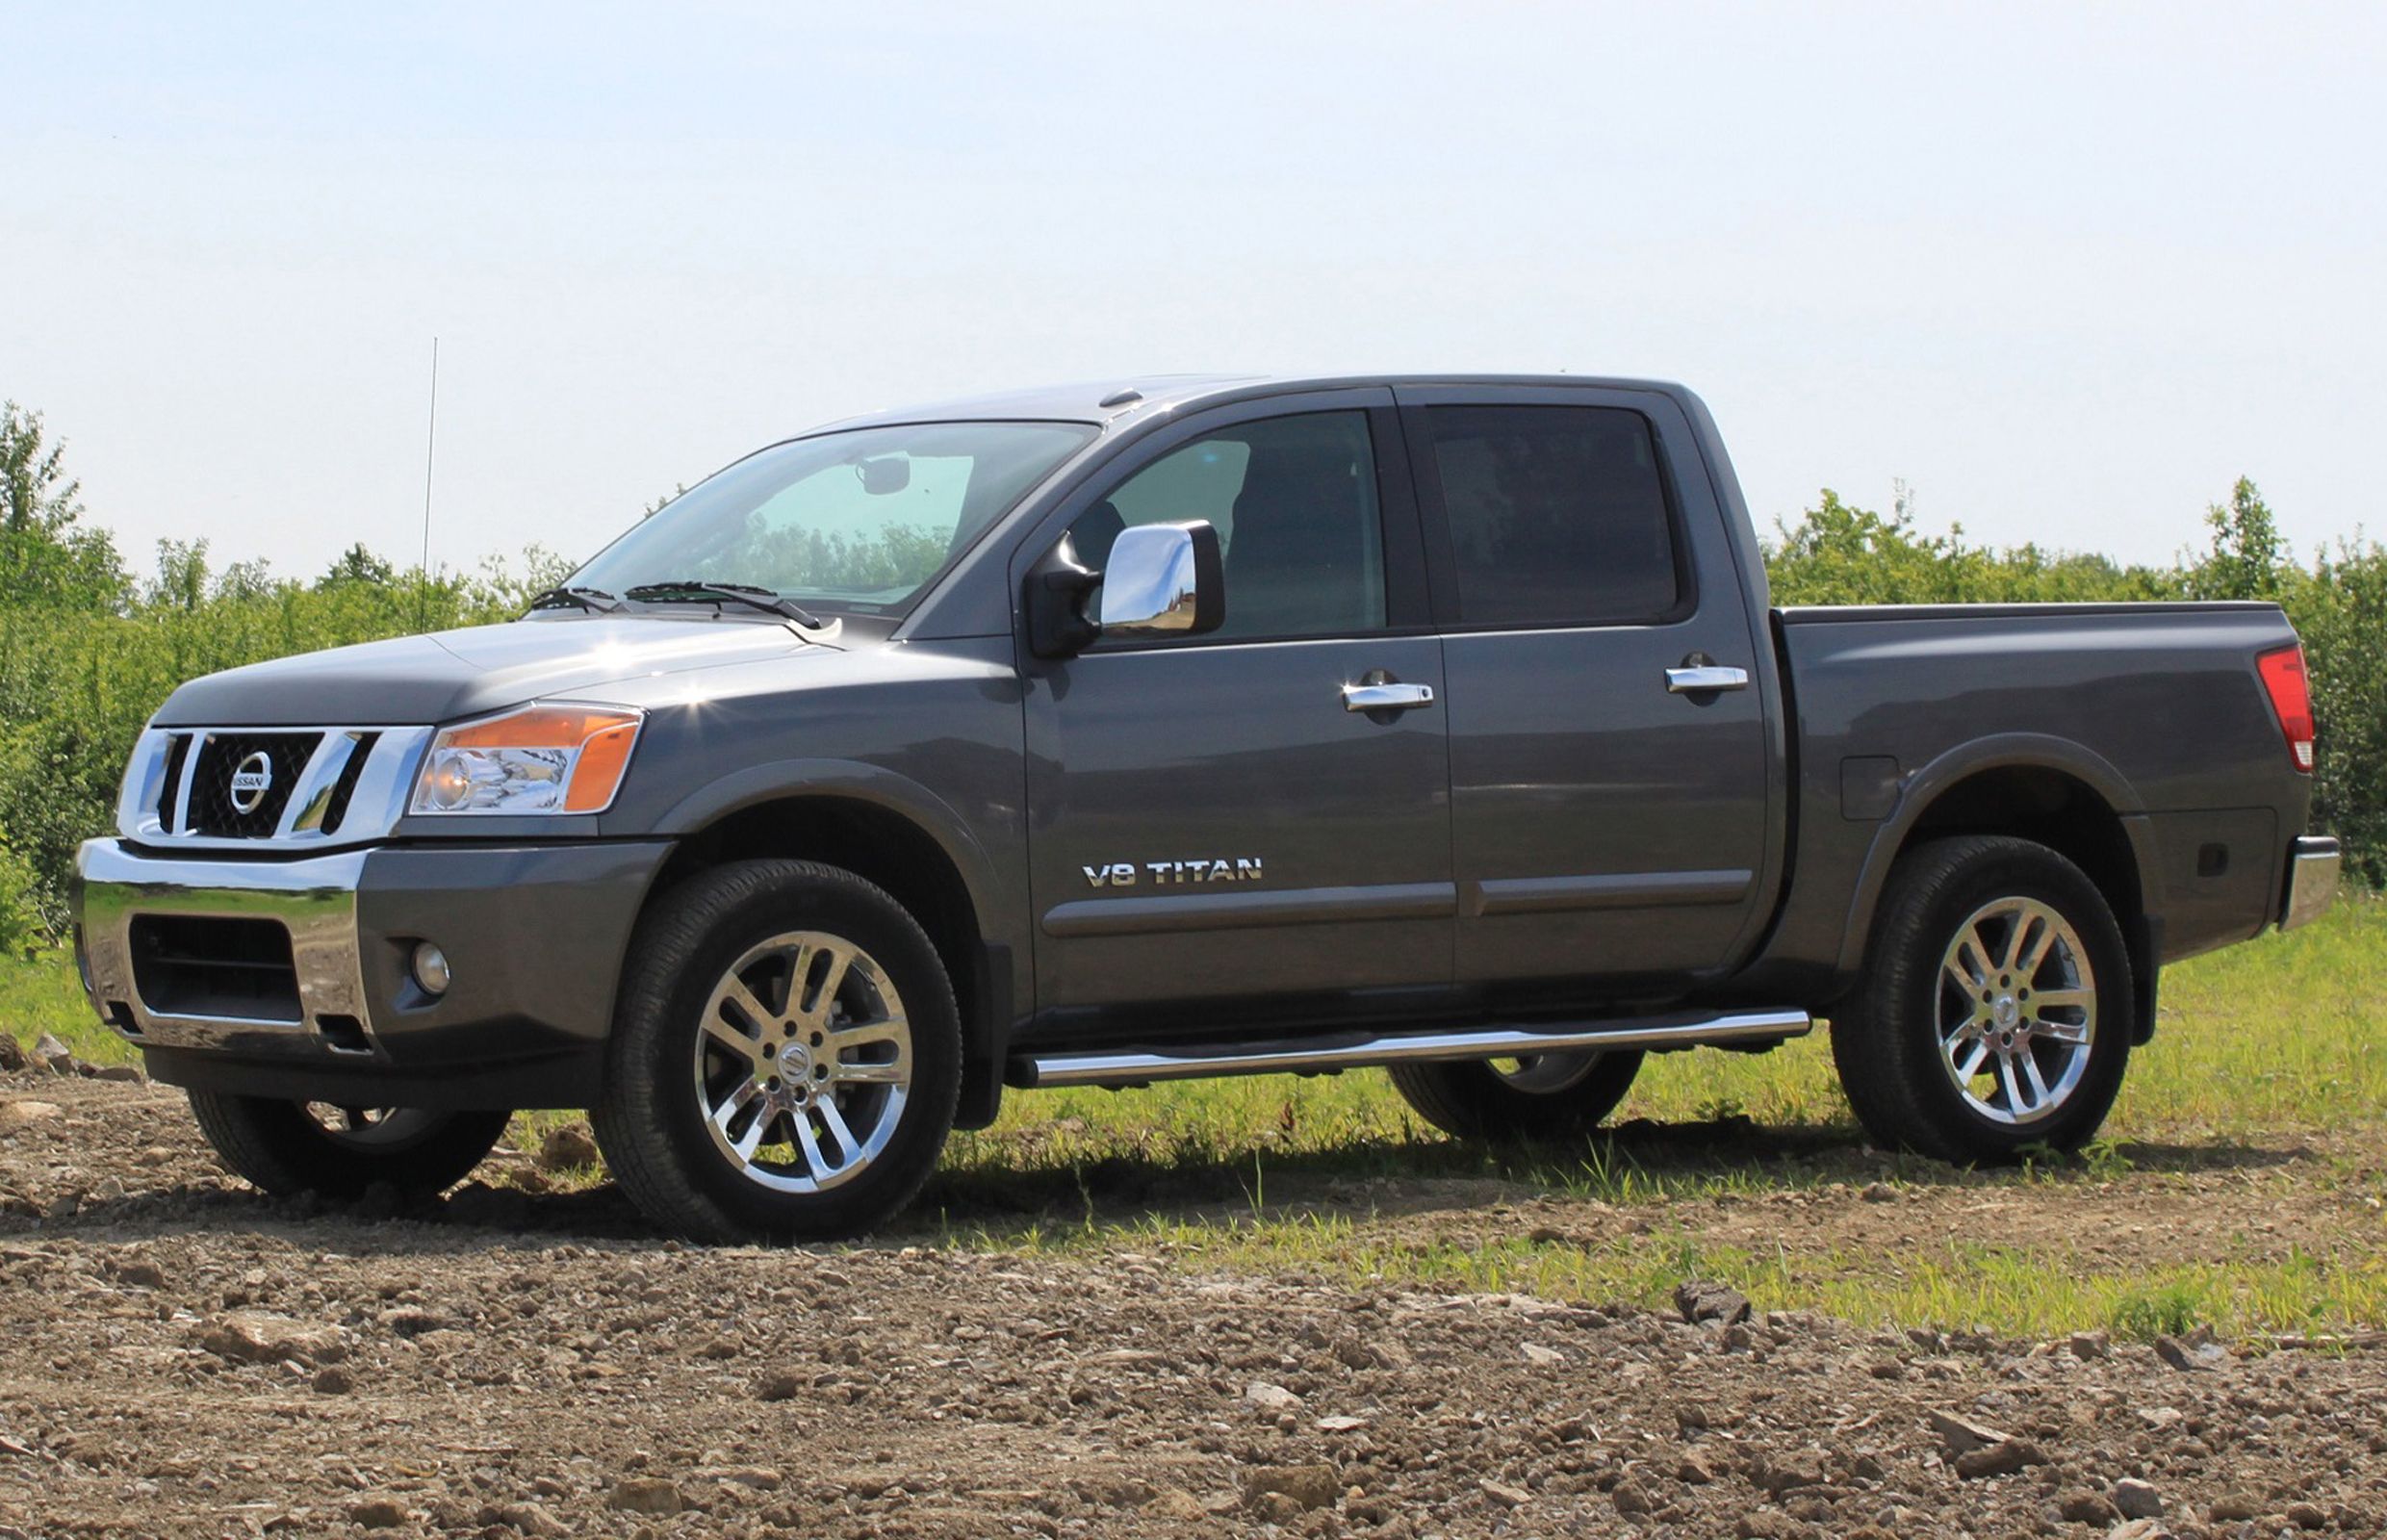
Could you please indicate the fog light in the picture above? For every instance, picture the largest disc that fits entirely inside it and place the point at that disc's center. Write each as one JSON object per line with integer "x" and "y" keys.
{"x": 432, "y": 969}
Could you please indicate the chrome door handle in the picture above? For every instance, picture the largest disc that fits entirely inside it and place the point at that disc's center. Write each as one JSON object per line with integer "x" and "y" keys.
{"x": 1702, "y": 679}
{"x": 1386, "y": 696}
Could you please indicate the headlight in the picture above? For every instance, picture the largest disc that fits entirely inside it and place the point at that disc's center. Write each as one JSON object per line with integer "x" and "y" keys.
{"x": 540, "y": 759}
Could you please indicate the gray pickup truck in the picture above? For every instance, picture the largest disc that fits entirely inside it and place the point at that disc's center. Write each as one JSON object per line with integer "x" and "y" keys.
{"x": 1200, "y": 727}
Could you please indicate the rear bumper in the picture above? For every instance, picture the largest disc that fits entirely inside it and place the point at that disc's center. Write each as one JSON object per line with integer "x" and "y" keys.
{"x": 2311, "y": 887}
{"x": 535, "y": 937}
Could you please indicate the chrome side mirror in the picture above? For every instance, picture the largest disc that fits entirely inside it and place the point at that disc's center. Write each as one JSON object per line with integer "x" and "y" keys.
{"x": 1164, "y": 579}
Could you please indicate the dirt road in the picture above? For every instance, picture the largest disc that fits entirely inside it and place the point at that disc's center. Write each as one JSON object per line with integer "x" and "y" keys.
{"x": 180, "y": 1356}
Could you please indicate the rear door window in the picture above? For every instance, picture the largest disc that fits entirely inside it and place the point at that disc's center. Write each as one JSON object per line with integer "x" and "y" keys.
{"x": 1558, "y": 515}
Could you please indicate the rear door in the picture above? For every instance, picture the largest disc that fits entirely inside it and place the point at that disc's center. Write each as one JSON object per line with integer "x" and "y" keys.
{"x": 1208, "y": 822}
{"x": 1608, "y": 820}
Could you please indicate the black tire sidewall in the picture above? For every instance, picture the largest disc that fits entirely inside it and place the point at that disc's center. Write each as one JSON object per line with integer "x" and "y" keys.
{"x": 1936, "y": 888}
{"x": 279, "y": 1147}
{"x": 1473, "y": 1100}
{"x": 680, "y": 965}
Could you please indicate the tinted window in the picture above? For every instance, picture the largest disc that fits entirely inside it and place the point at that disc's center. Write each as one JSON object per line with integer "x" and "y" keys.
{"x": 1294, "y": 500}
{"x": 1556, "y": 514}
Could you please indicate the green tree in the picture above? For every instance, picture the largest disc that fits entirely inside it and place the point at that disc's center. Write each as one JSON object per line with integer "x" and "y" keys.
{"x": 358, "y": 565}
{"x": 2247, "y": 556}
{"x": 44, "y": 557}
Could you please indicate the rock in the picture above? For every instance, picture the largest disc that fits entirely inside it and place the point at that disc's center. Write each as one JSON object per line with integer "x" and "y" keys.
{"x": 377, "y": 1513}
{"x": 122, "y": 1074}
{"x": 54, "y": 1053}
{"x": 719, "y": 1349}
{"x": 2089, "y": 1345}
{"x": 253, "y": 1337}
{"x": 2138, "y": 1529}
{"x": 1309, "y": 1486}
{"x": 1700, "y": 1301}
{"x": 2307, "y": 1516}
{"x": 1341, "y": 1425}
{"x": 2000, "y": 1459}
{"x": 408, "y": 1320}
{"x": 528, "y": 1518}
{"x": 1694, "y": 1471}
{"x": 760, "y": 1477}
{"x": 2137, "y": 1498}
{"x": 1961, "y": 1435}
{"x": 138, "y": 1271}
{"x": 1272, "y": 1398}
{"x": 1506, "y": 1496}
{"x": 333, "y": 1380}
{"x": 2080, "y": 1506}
{"x": 11, "y": 1054}
{"x": 2191, "y": 1356}
{"x": 1275, "y": 1509}
{"x": 1635, "y": 1499}
{"x": 1547, "y": 1357}
{"x": 1788, "y": 1472}
{"x": 569, "y": 1148}
{"x": 1176, "y": 1503}
{"x": 645, "y": 1493}
{"x": 1879, "y": 1192}
{"x": 781, "y": 1385}
{"x": 2231, "y": 1507}
{"x": 17, "y": 1114}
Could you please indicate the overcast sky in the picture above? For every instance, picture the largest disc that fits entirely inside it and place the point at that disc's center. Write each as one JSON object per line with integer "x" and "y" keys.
{"x": 2069, "y": 271}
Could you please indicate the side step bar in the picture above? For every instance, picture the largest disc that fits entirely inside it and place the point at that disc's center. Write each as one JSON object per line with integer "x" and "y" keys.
{"x": 1135, "y": 1066}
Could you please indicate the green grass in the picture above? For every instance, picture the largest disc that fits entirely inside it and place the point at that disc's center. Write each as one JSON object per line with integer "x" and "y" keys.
{"x": 2258, "y": 1045}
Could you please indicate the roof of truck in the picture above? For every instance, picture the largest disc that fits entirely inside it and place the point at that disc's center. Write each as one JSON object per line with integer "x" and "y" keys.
{"x": 1114, "y": 399}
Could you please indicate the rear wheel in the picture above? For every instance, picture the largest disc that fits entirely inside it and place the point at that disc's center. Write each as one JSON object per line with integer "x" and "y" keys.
{"x": 288, "y": 1147}
{"x": 1994, "y": 1009}
{"x": 1539, "y": 1096}
{"x": 786, "y": 1058}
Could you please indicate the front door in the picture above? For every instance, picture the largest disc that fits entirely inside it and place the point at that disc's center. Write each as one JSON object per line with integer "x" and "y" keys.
{"x": 1209, "y": 823}
{"x": 1609, "y": 824}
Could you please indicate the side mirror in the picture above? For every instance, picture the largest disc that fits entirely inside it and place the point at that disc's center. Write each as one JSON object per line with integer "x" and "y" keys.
{"x": 1164, "y": 579}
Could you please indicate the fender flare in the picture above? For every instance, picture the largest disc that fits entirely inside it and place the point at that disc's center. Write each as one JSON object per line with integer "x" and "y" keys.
{"x": 2003, "y": 751}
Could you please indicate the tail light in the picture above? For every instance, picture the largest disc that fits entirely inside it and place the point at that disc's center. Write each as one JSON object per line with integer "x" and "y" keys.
{"x": 2283, "y": 677}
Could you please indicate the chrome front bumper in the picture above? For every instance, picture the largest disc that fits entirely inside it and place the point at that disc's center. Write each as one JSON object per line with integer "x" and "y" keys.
{"x": 2312, "y": 880}
{"x": 314, "y": 899}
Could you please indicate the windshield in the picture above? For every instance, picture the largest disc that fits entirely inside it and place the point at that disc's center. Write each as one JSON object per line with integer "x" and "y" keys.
{"x": 855, "y": 521}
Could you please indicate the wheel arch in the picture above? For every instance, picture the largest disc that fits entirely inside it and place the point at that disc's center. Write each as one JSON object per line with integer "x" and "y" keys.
{"x": 2048, "y": 790}
{"x": 892, "y": 832}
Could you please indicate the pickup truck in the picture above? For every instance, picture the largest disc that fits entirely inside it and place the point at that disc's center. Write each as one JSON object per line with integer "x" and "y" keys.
{"x": 1099, "y": 736}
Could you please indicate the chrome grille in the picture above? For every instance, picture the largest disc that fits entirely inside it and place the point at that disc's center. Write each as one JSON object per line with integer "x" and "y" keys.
{"x": 214, "y": 805}
{"x": 324, "y": 785}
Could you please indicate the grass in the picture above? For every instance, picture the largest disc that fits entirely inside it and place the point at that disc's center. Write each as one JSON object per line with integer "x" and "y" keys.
{"x": 2281, "y": 1038}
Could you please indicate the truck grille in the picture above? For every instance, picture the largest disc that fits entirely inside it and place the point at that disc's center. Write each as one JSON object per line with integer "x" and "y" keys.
{"x": 224, "y": 799}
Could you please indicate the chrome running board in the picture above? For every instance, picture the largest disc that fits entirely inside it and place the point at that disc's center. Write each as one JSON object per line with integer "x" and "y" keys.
{"x": 1135, "y": 1066}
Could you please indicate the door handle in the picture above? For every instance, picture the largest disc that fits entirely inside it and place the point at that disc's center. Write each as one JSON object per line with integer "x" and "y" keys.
{"x": 1386, "y": 696}
{"x": 1705, "y": 680}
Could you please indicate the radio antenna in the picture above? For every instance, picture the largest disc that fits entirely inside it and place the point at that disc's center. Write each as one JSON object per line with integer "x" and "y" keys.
{"x": 430, "y": 446}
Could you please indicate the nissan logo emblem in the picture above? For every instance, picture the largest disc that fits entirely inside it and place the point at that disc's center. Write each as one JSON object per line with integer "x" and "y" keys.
{"x": 251, "y": 780}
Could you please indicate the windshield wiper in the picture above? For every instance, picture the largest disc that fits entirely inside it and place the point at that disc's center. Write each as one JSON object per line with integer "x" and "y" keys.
{"x": 594, "y": 599}
{"x": 746, "y": 594}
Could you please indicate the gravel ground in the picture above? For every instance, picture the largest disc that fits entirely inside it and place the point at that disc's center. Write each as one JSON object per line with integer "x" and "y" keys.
{"x": 180, "y": 1356}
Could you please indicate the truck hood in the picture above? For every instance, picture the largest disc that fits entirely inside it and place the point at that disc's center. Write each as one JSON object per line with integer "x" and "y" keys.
{"x": 446, "y": 675}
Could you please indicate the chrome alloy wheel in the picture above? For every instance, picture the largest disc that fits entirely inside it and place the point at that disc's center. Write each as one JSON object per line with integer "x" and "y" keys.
{"x": 1545, "y": 1074}
{"x": 378, "y": 1130}
{"x": 804, "y": 1062}
{"x": 2017, "y": 1010}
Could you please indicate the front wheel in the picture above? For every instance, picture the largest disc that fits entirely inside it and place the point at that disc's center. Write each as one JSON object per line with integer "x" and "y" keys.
{"x": 1993, "y": 1014}
{"x": 786, "y": 1060}
{"x": 289, "y": 1147}
{"x": 1538, "y": 1098}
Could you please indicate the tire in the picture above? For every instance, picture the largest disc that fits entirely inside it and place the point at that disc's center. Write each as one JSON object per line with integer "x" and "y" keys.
{"x": 1926, "y": 1008}
{"x": 1549, "y": 1098}
{"x": 289, "y": 1147}
{"x": 737, "y": 1107}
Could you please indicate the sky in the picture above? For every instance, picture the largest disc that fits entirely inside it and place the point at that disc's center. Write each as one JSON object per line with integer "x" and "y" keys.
{"x": 2067, "y": 272}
